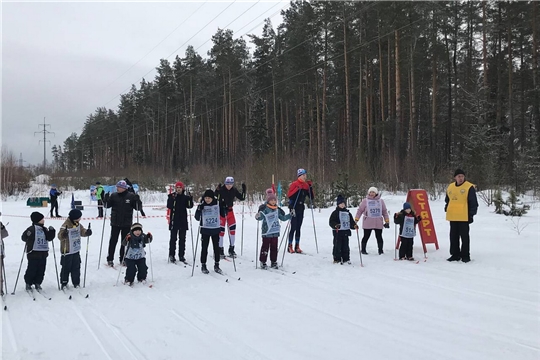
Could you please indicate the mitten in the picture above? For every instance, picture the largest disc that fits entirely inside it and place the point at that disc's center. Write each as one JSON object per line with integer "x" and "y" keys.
{"x": 149, "y": 235}
{"x": 293, "y": 212}
{"x": 356, "y": 219}
{"x": 387, "y": 225}
{"x": 142, "y": 213}
{"x": 51, "y": 228}
{"x": 243, "y": 188}
{"x": 258, "y": 216}
{"x": 88, "y": 232}
{"x": 337, "y": 226}
{"x": 418, "y": 218}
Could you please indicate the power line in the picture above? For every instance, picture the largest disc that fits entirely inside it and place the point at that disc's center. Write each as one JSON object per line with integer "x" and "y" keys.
{"x": 44, "y": 132}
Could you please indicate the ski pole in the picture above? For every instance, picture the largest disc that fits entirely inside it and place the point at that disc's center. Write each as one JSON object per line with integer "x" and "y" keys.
{"x": 55, "y": 265}
{"x": 294, "y": 207}
{"x": 313, "y": 218}
{"x": 18, "y": 273}
{"x": 257, "y": 244}
{"x": 359, "y": 251}
{"x": 233, "y": 261}
{"x": 242, "y": 236}
{"x": 120, "y": 266}
{"x": 285, "y": 233}
{"x": 191, "y": 229}
{"x": 102, "y": 232}
{"x": 4, "y": 277}
{"x": 195, "y": 253}
{"x": 151, "y": 267}
{"x": 86, "y": 258}
{"x": 395, "y": 241}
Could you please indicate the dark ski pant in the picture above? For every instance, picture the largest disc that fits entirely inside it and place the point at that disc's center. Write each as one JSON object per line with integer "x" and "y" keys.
{"x": 100, "y": 208}
{"x": 406, "y": 247}
{"x": 136, "y": 267}
{"x": 180, "y": 234}
{"x": 204, "y": 248}
{"x": 296, "y": 224}
{"x": 460, "y": 229}
{"x": 115, "y": 231}
{"x": 341, "y": 250}
{"x": 272, "y": 244}
{"x": 378, "y": 235}
{"x": 54, "y": 206}
{"x": 35, "y": 272}
{"x": 71, "y": 264}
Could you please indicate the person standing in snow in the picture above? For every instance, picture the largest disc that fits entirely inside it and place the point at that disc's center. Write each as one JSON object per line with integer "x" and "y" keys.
{"x": 407, "y": 220}
{"x": 208, "y": 213}
{"x": 270, "y": 214}
{"x": 341, "y": 221}
{"x": 70, "y": 235}
{"x": 37, "y": 238}
{"x": 225, "y": 195}
{"x": 100, "y": 193}
{"x": 135, "y": 259}
{"x": 460, "y": 206}
{"x": 298, "y": 191}
{"x": 3, "y": 234}
{"x": 122, "y": 203}
{"x": 178, "y": 202}
{"x": 373, "y": 212}
{"x": 53, "y": 194}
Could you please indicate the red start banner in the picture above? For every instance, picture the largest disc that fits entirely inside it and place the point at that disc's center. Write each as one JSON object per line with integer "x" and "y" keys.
{"x": 418, "y": 199}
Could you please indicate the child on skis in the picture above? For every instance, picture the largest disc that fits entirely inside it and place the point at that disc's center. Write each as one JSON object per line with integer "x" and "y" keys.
{"x": 225, "y": 195}
{"x": 70, "y": 235}
{"x": 341, "y": 222}
{"x": 135, "y": 257}
{"x": 407, "y": 221}
{"x": 270, "y": 214}
{"x": 208, "y": 213}
{"x": 37, "y": 238}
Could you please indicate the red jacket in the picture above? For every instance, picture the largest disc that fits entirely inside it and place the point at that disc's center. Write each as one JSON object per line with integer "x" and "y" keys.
{"x": 297, "y": 199}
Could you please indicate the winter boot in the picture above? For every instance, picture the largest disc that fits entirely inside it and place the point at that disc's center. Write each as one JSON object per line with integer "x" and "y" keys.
{"x": 182, "y": 259}
{"x": 410, "y": 259}
{"x": 364, "y": 252}
{"x": 231, "y": 252}
{"x": 290, "y": 249}
{"x": 381, "y": 251}
{"x": 217, "y": 269}
{"x": 172, "y": 259}
{"x": 274, "y": 265}
{"x": 222, "y": 253}
{"x": 297, "y": 249}
{"x": 465, "y": 260}
{"x": 204, "y": 269}
{"x": 38, "y": 287}
{"x": 110, "y": 263}
{"x": 64, "y": 287}
{"x": 453, "y": 258}
{"x": 76, "y": 286}
{"x": 336, "y": 261}
{"x": 28, "y": 287}
{"x": 264, "y": 266}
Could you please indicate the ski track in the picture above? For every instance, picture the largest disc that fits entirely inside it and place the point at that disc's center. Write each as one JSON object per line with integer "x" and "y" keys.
{"x": 92, "y": 332}
{"x": 10, "y": 333}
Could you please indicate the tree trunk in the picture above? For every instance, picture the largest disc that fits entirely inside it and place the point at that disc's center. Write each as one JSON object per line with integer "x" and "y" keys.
{"x": 348, "y": 127}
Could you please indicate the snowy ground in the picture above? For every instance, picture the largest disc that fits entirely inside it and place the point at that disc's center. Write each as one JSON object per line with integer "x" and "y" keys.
{"x": 486, "y": 309}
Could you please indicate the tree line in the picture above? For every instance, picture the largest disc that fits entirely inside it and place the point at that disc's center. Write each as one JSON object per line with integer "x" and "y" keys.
{"x": 400, "y": 92}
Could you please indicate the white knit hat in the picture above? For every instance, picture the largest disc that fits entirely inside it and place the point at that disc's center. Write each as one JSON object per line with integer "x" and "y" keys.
{"x": 374, "y": 189}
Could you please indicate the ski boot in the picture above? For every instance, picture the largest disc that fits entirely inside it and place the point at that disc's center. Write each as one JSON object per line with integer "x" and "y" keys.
{"x": 290, "y": 249}
{"x": 364, "y": 252}
{"x": 217, "y": 269}
{"x": 274, "y": 265}
{"x": 204, "y": 269}
{"x": 64, "y": 287}
{"x": 28, "y": 287}
{"x": 110, "y": 263}
{"x": 38, "y": 287}
{"x": 264, "y": 266}
{"x": 381, "y": 251}
{"x": 172, "y": 259}
{"x": 231, "y": 252}
{"x": 297, "y": 249}
{"x": 222, "y": 253}
{"x": 182, "y": 259}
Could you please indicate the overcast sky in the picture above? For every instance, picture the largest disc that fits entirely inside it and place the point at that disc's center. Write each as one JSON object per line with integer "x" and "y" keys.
{"x": 63, "y": 60}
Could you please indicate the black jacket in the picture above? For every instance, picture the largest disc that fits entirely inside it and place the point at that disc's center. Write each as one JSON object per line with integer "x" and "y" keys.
{"x": 334, "y": 220}
{"x": 400, "y": 217}
{"x": 122, "y": 205}
{"x": 29, "y": 236}
{"x": 179, "y": 203}
{"x": 226, "y": 197}
{"x": 198, "y": 217}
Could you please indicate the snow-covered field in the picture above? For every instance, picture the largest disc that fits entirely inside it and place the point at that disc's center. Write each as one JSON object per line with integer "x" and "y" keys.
{"x": 313, "y": 309}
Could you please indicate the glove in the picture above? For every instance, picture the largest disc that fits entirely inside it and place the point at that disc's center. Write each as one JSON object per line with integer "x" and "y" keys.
{"x": 293, "y": 212}
{"x": 142, "y": 213}
{"x": 356, "y": 219}
{"x": 387, "y": 225}
{"x": 337, "y": 226}
{"x": 356, "y": 227}
{"x": 51, "y": 228}
{"x": 258, "y": 216}
{"x": 149, "y": 235}
{"x": 418, "y": 218}
{"x": 471, "y": 220}
{"x": 88, "y": 232}
{"x": 243, "y": 188}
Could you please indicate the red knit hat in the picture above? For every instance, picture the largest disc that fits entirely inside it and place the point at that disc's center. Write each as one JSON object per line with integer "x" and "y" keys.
{"x": 179, "y": 184}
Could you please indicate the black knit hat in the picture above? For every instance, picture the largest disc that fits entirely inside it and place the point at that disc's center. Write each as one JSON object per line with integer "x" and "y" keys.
{"x": 339, "y": 200}
{"x": 459, "y": 172}
{"x": 208, "y": 193}
{"x": 75, "y": 215}
{"x": 36, "y": 217}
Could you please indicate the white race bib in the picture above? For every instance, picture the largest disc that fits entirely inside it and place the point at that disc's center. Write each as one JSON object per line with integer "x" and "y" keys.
{"x": 40, "y": 243}
{"x": 272, "y": 220}
{"x": 135, "y": 253}
{"x": 374, "y": 208}
{"x": 408, "y": 230}
{"x": 210, "y": 217}
{"x": 74, "y": 236}
{"x": 344, "y": 220}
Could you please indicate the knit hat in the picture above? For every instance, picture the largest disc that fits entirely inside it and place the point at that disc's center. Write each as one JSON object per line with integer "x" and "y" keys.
{"x": 208, "y": 193}
{"x": 136, "y": 226}
{"x": 459, "y": 172}
{"x": 406, "y": 206}
{"x": 340, "y": 199}
{"x": 36, "y": 217}
{"x": 75, "y": 215}
{"x": 98, "y": 183}
{"x": 179, "y": 184}
{"x": 229, "y": 180}
{"x": 374, "y": 189}
{"x": 53, "y": 186}
{"x": 300, "y": 172}
{"x": 270, "y": 195}
{"x": 122, "y": 184}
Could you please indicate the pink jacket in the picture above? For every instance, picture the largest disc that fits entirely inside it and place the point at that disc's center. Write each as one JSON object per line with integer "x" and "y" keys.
{"x": 372, "y": 222}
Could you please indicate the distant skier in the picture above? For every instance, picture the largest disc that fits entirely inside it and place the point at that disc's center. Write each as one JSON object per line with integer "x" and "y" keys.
{"x": 99, "y": 192}
{"x": 407, "y": 220}
{"x": 225, "y": 195}
{"x": 53, "y": 194}
{"x": 341, "y": 221}
{"x": 298, "y": 191}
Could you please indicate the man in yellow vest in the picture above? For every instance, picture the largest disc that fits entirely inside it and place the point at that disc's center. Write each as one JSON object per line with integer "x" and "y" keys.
{"x": 461, "y": 206}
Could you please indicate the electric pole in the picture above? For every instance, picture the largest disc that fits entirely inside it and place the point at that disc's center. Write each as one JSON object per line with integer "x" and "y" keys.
{"x": 45, "y": 132}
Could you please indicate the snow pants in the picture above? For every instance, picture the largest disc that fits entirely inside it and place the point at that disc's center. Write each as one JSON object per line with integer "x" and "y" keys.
{"x": 136, "y": 267}
{"x": 71, "y": 264}
{"x": 269, "y": 243}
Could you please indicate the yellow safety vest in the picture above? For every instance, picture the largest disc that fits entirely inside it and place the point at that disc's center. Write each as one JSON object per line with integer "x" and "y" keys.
{"x": 458, "y": 209}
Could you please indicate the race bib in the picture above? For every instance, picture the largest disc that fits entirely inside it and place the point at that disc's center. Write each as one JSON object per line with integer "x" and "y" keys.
{"x": 210, "y": 217}
{"x": 344, "y": 221}
{"x": 272, "y": 220}
{"x": 408, "y": 230}
{"x": 74, "y": 236}
{"x": 40, "y": 243}
{"x": 374, "y": 208}
{"x": 135, "y": 253}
